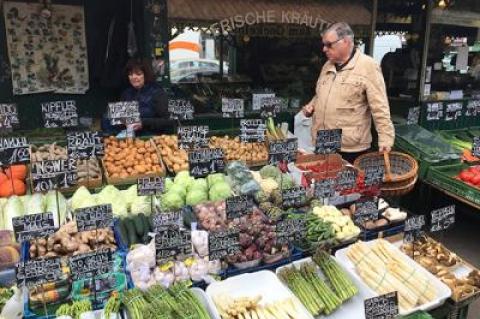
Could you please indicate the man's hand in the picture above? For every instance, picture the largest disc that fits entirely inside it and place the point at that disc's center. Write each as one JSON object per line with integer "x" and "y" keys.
{"x": 135, "y": 126}
{"x": 385, "y": 149}
{"x": 308, "y": 110}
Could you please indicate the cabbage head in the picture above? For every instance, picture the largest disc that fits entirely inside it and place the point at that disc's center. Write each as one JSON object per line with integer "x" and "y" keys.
{"x": 82, "y": 198}
{"x": 168, "y": 184}
{"x": 213, "y": 179}
{"x": 196, "y": 196}
{"x": 142, "y": 204}
{"x": 199, "y": 184}
{"x": 183, "y": 178}
{"x": 108, "y": 194}
{"x": 178, "y": 189}
{"x": 172, "y": 200}
{"x": 13, "y": 208}
{"x": 270, "y": 171}
{"x": 220, "y": 191}
{"x": 35, "y": 204}
{"x": 130, "y": 194}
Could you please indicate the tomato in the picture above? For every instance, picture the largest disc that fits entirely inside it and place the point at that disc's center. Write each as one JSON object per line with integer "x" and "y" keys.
{"x": 476, "y": 179}
{"x": 467, "y": 176}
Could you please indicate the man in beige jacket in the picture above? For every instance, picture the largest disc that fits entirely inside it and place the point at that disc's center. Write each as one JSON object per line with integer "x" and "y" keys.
{"x": 350, "y": 91}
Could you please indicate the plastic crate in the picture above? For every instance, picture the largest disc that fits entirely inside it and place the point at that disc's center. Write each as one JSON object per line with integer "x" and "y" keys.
{"x": 444, "y": 178}
{"x": 368, "y": 235}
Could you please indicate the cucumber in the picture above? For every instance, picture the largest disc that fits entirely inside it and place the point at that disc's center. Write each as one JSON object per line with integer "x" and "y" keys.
{"x": 122, "y": 228}
{"x": 132, "y": 234}
{"x": 150, "y": 222}
{"x": 138, "y": 222}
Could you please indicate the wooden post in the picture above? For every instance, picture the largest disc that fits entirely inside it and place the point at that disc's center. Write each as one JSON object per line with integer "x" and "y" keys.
{"x": 426, "y": 43}
{"x": 373, "y": 27}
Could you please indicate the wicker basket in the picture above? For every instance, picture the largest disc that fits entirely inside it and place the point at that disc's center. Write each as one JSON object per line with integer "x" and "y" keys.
{"x": 401, "y": 171}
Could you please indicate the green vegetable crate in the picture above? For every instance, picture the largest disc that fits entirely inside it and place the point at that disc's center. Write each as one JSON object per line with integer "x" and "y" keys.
{"x": 444, "y": 178}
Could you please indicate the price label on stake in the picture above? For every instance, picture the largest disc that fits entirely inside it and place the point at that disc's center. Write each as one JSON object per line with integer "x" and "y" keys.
{"x": 53, "y": 174}
{"x": 282, "y": 151}
{"x": 294, "y": 197}
{"x": 223, "y": 243}
{"x": 33, "y": 226}
{"x": 38, "y": 271}
{"x": 382, "y": 307}
{"x": 60, "y": 114}
{"x": 238, "y": 206}
{"x": 290, "y": 230}
{"x": 434, "y": 111}
{"x": 91, "y": 264}
{"x": 8, "y": 117}
{"x": 94, "y": 217}
{"x": 14, "y": 150}
{"x": 150, "y": 186}
{"x": 413, "y": 116}
{"x": 180, "y": 109}
{"x": 258, "y": 98}
{"x": 476, "y": 146}
{"x": 233, "y": 108}
{"x": 374, "y": 175}
{"x": 123, "y": 113}
{"x": 328, "y": 141}
{"x": 172, "y": 242}
{"x": 324, "y": 188}
{"x": 85, "y": 145}
{"x": 442, "y": 219}
{"x": 206, "y": 161}
{"x": 167, "y": 219}
{"x": 413, "y": 228}
{"x": 192, "y": 137}
{"x": 252, "y": 131}
{"x": 366, "y": 210}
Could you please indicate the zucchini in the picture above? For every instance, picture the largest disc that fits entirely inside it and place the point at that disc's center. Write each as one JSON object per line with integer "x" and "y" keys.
{"x": 138, "y": 222}
{"x": 150, "y": 222}
{"x": 132, "y": 234}
{"x": 122, "y": 228}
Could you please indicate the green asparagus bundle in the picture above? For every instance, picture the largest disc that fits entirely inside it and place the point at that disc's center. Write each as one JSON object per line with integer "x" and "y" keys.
{"x": 338, "y": 279}
{"x": 135, "y": 303}
{"x": 302, "y": 289}
{"x": 112, "y": 306}
{"x": 328, "y": 297}
{"x": 188, "y": 300}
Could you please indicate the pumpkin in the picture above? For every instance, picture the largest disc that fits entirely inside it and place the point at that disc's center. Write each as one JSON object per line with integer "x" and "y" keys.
{"x": 12, "y": 187}
{"x": 3, "y": 178}
{"x": 17, "y": 172}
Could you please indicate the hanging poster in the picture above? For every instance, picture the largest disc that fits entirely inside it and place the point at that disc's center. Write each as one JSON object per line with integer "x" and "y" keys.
{"x": 46, "y": 47}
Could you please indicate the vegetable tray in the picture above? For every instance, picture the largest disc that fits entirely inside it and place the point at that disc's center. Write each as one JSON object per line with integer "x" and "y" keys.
{"x": 444, "y": 178}
{"x": 352, "y": 308}
{"x": 130, "y": 180}
{"x": 206, "y": 301}
{"x": 443, "y": 291}
{"x": 263, "y": 283}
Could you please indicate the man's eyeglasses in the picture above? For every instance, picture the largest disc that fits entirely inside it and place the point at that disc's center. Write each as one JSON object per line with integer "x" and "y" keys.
{"x": 329, "y": 45}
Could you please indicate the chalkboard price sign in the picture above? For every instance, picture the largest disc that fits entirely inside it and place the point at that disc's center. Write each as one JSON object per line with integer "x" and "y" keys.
{"x": 324, "y": 188}
{"x": 290, "y": 230}
{"x": 60, "y": 114}
{"x": 54, "y": 174}
{"x": 94, "y": 217}
{"x": 473, "y": 108}
{"x": 413, "y": 116}
{"x": 91, "y": 264}
{"x": 223, "y": 243}
{"x": 366, "y": 209}
{"x": 346, "y": 179}
{"x": 172, "y": 242}
{"x": 413, "y": 228}
{"x": 382, "y": 307}
{"x": 233, "y": 108}
{"x": 328, "y": 141}
{"x": 180, "y": 109}
{"x": 476, "y": 146}
{"x": 294, "y": 197}
{"x": 252, "y": 131}
{"x": 282, "y": 151}
{"x": 203, "y": 162}
{"x": 258, "y": 100}
{"x": 434, "y": 111}
{"x": 453, "y": 111}
{"x": 374, "y": 175}
{"x": 85, "y": 145}
{"x": 168, "y": 219}
{"x": 35, "y": 272}
{"x": 150, "y": 186}
{"x": 443, "y": 218}
{"x": 8, "y": 117}
{"x": 33, "y": 226}
{"x": 191, "y": 137}
{"x": 238, "y": 206}
{"x": 123, "y": 113}
{"x": 271, "y": 106}
{"x": 14, "y": 150}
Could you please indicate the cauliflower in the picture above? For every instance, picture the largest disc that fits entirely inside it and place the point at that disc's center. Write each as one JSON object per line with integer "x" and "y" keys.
{"x": 268, "y": 185}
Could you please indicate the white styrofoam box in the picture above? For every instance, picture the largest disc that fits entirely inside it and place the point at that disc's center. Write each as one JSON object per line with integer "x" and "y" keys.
{"x": 262, "y": 283}
{"x": 443, "y": 291}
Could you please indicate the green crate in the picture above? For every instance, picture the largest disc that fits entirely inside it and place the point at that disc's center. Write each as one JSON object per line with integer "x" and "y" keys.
{"x": 444, "y": 178}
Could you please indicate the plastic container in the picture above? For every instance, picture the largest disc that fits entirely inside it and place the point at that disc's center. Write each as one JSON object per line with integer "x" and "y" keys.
{"x": 443, "y": 291}
{"x": 262, "y": 283}
{"x": 352, "y": 308}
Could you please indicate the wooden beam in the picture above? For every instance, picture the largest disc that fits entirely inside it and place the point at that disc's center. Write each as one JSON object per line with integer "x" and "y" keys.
{"x": 373, "y": 27}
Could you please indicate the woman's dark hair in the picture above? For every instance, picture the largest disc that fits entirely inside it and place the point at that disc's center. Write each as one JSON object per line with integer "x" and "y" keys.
{"x": 142, "y": 65}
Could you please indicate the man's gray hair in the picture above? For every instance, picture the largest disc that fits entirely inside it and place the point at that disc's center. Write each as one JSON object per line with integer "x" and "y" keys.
{"x": 342, "y": 29}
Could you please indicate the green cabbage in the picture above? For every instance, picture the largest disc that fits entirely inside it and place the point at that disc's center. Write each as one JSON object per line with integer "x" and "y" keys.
{"x": 172, "y": 200}
{"x": 220, "y": 191}
{"x": 196, "y": 196}
{"x": 270, "y": 171}
{"x": 178, "y": 189}
{"x": 35, "y": 204}
{"x": 183, "y": 178}
{"x": 213, "y": 179}
{"x": 130, "y": 195}
{"x": 199, "y": 184}
{"x": 142, "y": 204}
{"x": 57, "y": 210}
{"x": 13, "y": 208}
{"x": 168, "y": 184}
{"x": 82, "y": 198}
{"x": 108, "y": 194}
